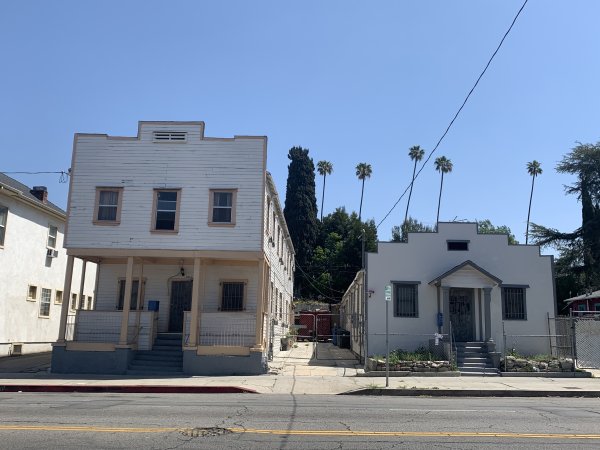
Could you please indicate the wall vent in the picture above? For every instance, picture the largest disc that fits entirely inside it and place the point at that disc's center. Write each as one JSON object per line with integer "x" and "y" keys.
{"x": 16, "y": 349}
{"x": 170, "y": 136}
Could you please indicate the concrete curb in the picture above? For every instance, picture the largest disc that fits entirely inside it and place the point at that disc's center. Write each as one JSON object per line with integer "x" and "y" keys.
{"x": 128, "y": 389}
{"x": 470, "y": 393}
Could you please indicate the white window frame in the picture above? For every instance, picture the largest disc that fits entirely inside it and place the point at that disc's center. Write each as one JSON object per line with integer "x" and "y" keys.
{"x": 50, "y": 236}
{"x": 45, "y": 302}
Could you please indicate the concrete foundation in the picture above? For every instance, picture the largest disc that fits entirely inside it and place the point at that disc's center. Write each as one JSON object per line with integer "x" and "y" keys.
{"x": 193, "y": 364}
{"x": 107, "y": 363}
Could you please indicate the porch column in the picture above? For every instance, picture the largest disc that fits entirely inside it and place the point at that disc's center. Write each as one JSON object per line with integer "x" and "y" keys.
{"x": 126, "y": 301}
{"x": 95, "y": 299}
{"x": 197, "y": 284}
{"x": 64, "y": 309}
{"x": 446, "y": 308}
{"x": 260, "y": 296}
{"x": 487, "y": 300}
{"x": 82, "y": 285}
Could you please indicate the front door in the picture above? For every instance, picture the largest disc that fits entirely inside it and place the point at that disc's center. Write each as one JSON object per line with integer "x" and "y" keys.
{"x": 181, "y": 300}
{"x": 462, "y": 314}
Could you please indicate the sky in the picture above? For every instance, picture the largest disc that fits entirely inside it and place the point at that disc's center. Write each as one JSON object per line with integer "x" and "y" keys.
{"x": 351, "y": 81}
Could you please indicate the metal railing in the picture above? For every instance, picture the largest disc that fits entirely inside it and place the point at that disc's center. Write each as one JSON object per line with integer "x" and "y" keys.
{"x": 234, "y": 333}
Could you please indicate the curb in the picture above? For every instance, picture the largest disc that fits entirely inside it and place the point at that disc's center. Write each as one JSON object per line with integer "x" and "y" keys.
{"x": 128, "y": 389}
{"x": 470, "y": 393}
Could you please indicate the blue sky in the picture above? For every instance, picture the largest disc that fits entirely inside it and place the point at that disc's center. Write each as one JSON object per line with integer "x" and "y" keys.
{"x": 352, "y": 81}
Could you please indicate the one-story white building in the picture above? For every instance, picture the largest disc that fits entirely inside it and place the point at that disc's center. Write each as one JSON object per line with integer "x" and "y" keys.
{"x": 466, "y": 286}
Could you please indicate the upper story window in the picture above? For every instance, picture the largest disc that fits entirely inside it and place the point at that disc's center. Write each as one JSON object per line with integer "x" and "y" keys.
{"x": 222, "y": 206}
{"x": 52, "y": 236}
{"x": 166, "y": 210}
{"x": 3, "y": 217}
{"x": 458, "y": 245}
{"x": 108, "y": 205}
{"x": 169, "y": 136}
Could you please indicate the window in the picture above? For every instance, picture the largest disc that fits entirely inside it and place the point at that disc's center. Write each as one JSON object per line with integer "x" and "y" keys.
{"x": 170, "y": 136}
{"x": 458, "y": 245}
{"x": 232, "y": 296}
{"x": 3, "y": 216}
{"x": 280, "y": 305}
{"x": 166, "y": 211}
{"x": 268, "y": 215}
{"x": 58, "y": 297}
{"x": 406, "y": 300}
{"x": 108, "y": 205}
{"x": 596, "y": 306}
{"x": 73, "y": 301}
{"x": 222, "y": 206}
{"x": 89, "y": 302}
{"x": 45, "y": 302}
{"x": 276, "y": 301}
{"x": 134, "y": 294}
{"x": 581, "y": 307}
{"x": 52, "y": 236}
{"x": 32, "y": 293}
{"x": 513, "y": 303}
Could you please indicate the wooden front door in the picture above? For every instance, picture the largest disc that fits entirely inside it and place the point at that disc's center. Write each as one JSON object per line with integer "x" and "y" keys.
{"x": 462, "y": 314}
{"x": 181, "y": 300}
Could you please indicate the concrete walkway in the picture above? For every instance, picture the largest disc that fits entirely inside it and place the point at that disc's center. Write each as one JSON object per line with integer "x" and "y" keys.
{"x": 299, "y": 372}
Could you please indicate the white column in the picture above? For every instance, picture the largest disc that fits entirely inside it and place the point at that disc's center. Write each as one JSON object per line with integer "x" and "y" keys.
{"x": 126, "y": 302}
{"x": 196, "y": 286}
{"x": 82, "y": 286}
{"x": 64, "y": 310}
{"x": 487, "y": 300}
{"x": 446, "y": 306}
{"x": 260, "y": 298}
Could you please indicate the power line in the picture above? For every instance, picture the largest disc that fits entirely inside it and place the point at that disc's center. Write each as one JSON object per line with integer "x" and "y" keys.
{"x": 64, "y": 175}
{"x": 459, "y": 110}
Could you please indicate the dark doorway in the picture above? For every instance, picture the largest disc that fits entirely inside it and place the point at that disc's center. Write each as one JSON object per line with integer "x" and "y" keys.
{"x": 181, "y": 300}
{"x": 462, "y": 314}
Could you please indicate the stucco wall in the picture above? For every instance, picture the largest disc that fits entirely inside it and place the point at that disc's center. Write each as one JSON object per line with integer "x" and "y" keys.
{"x": 425, "y": 257}
{"x": 23, "y": 262}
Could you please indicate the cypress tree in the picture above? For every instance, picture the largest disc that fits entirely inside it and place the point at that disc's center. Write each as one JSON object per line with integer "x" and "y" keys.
{"x": 300, "y": 211}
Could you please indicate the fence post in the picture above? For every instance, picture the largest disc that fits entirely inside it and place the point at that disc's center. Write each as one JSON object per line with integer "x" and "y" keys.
{"x": 573, "y": 344}
{"x": 504, "y": 346}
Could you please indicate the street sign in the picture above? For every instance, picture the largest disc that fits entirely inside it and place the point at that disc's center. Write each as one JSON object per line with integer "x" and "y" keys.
{"x": 388, "y": 292}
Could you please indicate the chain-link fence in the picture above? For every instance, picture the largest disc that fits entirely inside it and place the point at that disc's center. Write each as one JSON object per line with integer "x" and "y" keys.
{"x": 586, "y": 328}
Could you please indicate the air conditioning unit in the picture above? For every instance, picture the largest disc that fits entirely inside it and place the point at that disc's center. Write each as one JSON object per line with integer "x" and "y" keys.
{"x": 16, "y": 349}
{"x": 51, "y": 253}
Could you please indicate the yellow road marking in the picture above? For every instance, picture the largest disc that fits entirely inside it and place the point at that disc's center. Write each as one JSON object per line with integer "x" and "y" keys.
{"x": 339, "y": 433}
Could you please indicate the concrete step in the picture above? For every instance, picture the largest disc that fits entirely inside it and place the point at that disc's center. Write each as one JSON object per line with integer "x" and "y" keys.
{"x": 157, "y": 363}
{"x": 157, "y": 369}
{"x": 153, "y": 372}
{"x": 161, "y": 357}
{"x": 472, "y": 358}
{"x": 474, "y": 364}
{"x": 483, "y": 373}
{"x": 170, "y": 352}
{"x": 476, "y": 369}
{"x": 169, "y": 336}
{"x": 169, "y": 348}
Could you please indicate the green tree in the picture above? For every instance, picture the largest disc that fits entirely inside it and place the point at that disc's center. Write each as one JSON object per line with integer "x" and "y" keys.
{"x": 300, "y": 209}
{"x": 324, "y": 168}
{"x": 338, "y": 254}
{"x": 410, "y": 225}
{"x": 534, "y": 169}
{"x": 442, "y": 165}
{"x": 416, "y": 154}
{"x": 580, "y": 249}
{"x": 363, "y": 171}
{"x": 486, "y": 227}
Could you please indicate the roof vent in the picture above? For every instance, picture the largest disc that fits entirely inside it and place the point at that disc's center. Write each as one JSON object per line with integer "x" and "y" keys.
{"x": 170, "y": 136}
{"x": 40, "y": 192}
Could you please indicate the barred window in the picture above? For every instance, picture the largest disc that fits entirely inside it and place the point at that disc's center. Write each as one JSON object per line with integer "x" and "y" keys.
{"x": 45, "y": 302}
{"x": 513, "y": 303}
{"x": 232, "y": 298}
{"x": 406, "y": 300}
{"x": 134, "y": 294}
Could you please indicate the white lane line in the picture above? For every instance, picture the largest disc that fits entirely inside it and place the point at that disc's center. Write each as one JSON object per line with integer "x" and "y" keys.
{"x": 453, "y": 410}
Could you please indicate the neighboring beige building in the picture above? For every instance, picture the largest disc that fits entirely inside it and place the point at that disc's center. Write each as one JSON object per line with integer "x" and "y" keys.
{"x": 195, "y": 260}
{"x": 32, "y": 270}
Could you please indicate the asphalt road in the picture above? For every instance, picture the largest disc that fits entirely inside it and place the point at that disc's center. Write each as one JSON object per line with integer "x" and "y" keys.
{"x": 166, "y": 421}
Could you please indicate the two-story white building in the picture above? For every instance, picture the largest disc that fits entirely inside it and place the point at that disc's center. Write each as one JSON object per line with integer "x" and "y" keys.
{"x": 32, "y": 270}
{"x": 194, "y": 257}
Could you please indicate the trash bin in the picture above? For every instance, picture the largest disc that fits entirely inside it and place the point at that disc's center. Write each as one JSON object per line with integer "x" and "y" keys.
{"x": 343, "y": 339}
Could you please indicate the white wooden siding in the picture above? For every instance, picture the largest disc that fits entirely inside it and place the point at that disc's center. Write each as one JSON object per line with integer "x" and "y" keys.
{"x": 139, "y": 166}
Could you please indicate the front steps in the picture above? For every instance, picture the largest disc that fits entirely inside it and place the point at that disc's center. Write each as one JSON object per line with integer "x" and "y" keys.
{"x": 472, "y": 359}
{"x": 165, "y": 358}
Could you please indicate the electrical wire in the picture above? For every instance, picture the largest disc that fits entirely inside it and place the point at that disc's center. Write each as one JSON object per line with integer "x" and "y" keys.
{"x": 64, "y": 175}
{"x": 457, "y": 112}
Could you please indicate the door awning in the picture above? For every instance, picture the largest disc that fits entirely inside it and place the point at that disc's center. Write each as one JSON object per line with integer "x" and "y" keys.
{"x": 466, "y": 265}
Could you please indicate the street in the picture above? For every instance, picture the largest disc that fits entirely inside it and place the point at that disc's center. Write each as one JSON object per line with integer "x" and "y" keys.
{"x": 165, "y": 421}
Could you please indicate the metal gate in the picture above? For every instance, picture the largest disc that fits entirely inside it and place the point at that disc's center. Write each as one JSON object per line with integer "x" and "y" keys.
{"x": 587, "y": 340}
{"x": 335, "y": 336}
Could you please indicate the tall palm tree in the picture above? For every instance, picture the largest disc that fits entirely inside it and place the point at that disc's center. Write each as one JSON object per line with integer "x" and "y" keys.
{"x": 534, "y": 169}
{"x": 416, "y": 154}
{"x": 442, "y": 165}
{"x": 325, "y": 168}
{"x": 363, "y": 171}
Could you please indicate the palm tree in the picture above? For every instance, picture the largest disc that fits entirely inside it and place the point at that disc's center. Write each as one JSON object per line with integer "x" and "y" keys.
{"x": 416, "y": 154}
{"x": 534, "y": 169}
{"x": 363, "y": 171}
{"x": 443, "y": 165}
{"x": 325, "y": 168}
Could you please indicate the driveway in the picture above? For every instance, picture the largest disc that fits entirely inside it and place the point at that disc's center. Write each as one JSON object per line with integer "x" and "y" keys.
{"x": 315, "y": 359}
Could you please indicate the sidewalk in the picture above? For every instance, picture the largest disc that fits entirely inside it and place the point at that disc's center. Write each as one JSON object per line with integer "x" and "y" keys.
{"x": 297, "y": 372}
